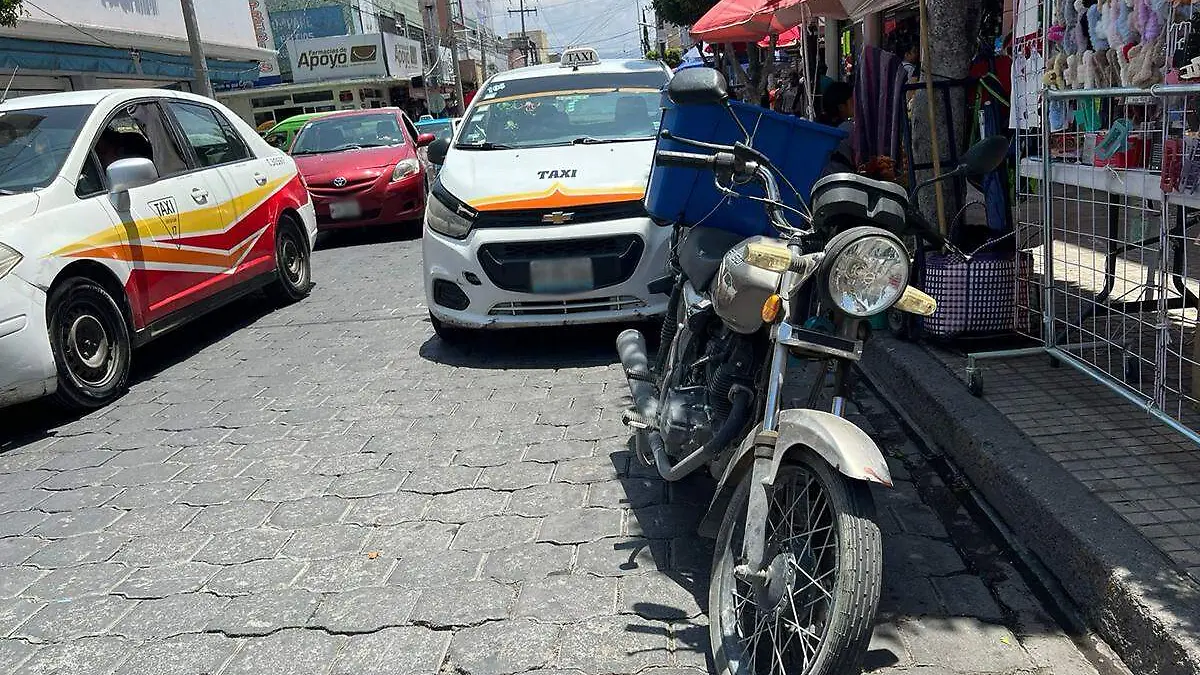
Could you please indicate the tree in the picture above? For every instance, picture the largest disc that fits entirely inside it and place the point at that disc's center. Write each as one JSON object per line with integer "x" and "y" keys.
{"x": 682, "y": 12}
{"x": 10, "y": 11}
{"x": 672, "y": 57}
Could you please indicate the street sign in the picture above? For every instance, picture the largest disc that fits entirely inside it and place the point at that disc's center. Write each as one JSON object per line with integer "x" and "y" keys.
{"x": 436, "y": 102}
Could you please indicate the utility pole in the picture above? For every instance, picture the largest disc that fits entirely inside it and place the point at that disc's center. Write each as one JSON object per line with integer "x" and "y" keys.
{"x": 524, "y": 36}
{"x": 458, "y": 89}
{"x": 202, "y": 85}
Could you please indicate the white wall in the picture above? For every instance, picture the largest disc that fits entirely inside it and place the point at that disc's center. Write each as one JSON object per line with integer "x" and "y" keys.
{"x": 224, "y": 22}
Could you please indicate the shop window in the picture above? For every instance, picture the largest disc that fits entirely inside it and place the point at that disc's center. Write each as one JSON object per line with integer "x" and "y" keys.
{"x": 214, "y": 141}
{"x": 313, "y": 97}
{"x": 270, "y": 102}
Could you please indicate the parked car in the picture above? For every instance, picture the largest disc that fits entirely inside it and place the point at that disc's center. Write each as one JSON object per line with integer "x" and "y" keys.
{"x": 362, "y": 168}
{"x": 537, "y": 217}
{"x": 281, "y": 135}
{"x": 124, "y": 214}
{"x": 441, "y": 128}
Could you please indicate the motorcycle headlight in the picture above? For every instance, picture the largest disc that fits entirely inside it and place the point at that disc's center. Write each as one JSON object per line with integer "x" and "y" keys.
{"x": 8, "y": 260}
{"x": 446, "y": 215}
{"x": 406, "y": 168}
{"x": 866, "y": 271}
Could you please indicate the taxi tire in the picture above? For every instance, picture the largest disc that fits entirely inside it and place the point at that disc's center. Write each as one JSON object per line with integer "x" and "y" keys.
{"x": 293, "y": 265}
{"x": 82, "y": 303}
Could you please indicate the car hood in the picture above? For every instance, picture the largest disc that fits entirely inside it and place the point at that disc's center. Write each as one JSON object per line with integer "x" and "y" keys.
{"x": 548, "y": 178}
{"x": 15, "y": 209}
{"x": 334, "y": 164}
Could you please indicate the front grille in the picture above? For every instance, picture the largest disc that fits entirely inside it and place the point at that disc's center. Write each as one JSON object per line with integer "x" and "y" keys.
{"x": 353, "y": 187}
{"x": 567, "y": 306}
{"x": 614, "y": 259}
{"x": 582, "y": 214}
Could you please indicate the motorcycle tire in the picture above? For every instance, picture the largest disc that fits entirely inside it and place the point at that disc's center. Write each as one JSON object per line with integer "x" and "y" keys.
{"x": 825, "y": 627}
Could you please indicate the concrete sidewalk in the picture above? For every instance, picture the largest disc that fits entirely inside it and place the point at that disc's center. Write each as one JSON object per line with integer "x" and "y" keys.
{"x": 1105, "y": 497}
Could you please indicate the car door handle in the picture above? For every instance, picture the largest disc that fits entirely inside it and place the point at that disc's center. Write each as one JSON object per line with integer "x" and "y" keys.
{"x": 200, "y": 195}
{"x": 260, "y": 179}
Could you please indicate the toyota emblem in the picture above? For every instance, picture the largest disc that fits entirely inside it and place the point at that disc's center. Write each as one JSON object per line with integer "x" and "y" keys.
{"x": 339, "y": 182}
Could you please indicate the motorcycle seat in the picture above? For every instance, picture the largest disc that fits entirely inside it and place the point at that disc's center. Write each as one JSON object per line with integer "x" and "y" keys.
{"x": 701, "y": 252}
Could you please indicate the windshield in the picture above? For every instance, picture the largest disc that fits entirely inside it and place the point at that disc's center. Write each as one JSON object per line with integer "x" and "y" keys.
{"x": 336, "y": 134}
{"x": 593, "y": 108}
{"x": 35, "y": 142}
{"x": 439, "y": 129}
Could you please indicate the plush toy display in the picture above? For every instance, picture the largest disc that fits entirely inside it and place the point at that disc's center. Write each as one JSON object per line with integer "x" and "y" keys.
{"x": 1108, "y": 43}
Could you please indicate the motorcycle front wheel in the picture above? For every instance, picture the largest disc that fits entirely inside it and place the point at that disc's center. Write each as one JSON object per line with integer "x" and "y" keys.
{"x": 814, "y": 612}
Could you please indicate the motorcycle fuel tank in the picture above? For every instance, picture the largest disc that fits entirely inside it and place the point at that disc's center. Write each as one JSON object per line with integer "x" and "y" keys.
{"x": 740, "y": 289}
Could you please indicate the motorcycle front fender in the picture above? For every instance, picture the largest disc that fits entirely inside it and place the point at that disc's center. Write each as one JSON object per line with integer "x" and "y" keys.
{"x": 834, "y": 439}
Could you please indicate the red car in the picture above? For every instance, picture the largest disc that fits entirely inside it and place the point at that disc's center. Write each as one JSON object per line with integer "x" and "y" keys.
{"x": 362, "y": 168}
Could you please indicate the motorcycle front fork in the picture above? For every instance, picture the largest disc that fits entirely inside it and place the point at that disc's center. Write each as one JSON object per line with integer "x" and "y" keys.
{"x": 763, "y": 472}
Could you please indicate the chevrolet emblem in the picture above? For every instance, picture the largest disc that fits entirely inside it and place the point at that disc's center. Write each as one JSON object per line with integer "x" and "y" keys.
{"x": 558, "y": 218}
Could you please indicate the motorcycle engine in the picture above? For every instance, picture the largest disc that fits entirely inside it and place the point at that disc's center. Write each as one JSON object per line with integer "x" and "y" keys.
{"x": 692, "y": 411}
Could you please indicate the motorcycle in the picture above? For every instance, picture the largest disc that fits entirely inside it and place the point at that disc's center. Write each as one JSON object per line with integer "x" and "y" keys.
{"x": 797, "y": 569}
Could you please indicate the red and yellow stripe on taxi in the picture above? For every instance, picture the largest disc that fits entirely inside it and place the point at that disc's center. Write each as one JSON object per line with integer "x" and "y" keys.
{"x": 187, "y": 241}
{"x": 559, "y": 196}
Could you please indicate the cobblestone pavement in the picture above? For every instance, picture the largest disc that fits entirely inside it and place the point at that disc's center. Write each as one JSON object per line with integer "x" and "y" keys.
{"x": 329, "y": 489}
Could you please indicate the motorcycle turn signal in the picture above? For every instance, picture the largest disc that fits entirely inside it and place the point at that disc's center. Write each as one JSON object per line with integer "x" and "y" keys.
{"x": 769, "y": 257}
{"x": 915, "y": 302}
{"x": 771, "y": 308}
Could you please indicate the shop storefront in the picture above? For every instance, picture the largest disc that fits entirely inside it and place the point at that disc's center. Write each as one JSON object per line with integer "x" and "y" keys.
{"x": 109, "y": 46}
{"x": 346, "y": 72}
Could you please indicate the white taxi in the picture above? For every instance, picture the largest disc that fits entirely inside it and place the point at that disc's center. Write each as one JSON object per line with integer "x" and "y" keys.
{"x": 124, "y": 214}
{"x": 536, "y": 218}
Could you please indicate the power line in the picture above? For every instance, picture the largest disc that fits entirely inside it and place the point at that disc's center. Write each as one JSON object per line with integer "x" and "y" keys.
{"x": 70, "y": 25}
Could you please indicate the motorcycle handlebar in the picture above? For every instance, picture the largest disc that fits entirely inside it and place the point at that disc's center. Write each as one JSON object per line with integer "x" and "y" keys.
{"x": 685, "y": 160}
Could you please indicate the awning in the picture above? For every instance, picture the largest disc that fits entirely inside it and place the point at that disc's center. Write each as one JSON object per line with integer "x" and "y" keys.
{"x": 752, "y": 20}
{"x": 30, "y": 55}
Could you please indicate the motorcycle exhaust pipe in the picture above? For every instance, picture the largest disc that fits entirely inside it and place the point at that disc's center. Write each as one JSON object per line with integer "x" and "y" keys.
{"x": 631, "y": 347}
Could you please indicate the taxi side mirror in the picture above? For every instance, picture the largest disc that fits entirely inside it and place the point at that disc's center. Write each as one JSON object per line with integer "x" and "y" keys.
{"x": 128, "y": 174}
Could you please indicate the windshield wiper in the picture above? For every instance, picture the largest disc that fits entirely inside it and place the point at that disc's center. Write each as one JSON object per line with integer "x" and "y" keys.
{"x": 588, "y": 140}
{"x": 7, "y": 193}
{"x": 483, "y": 146}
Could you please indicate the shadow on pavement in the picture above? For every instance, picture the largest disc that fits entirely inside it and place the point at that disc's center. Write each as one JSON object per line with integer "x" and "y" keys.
{"x": 664, "y": 538}
{"x": 33, "y": 421}
{"x": 368, "y": 236}
{"x": 553, "y": 347}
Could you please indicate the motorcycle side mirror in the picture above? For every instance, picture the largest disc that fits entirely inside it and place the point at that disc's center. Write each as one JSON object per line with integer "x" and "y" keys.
{"x": 436, "y": 151}
{"x": 698, "y": 86}
{"x": 985, "y": 156}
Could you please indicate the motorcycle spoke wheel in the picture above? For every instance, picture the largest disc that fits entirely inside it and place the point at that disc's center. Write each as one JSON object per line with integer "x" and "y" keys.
{"x": 813, "y": 612}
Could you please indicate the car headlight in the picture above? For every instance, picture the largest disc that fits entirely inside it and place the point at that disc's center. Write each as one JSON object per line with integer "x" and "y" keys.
{"x": 445, "y": 218}
{"x": 406, "y": 168}
{"x": 865, "y": 271}
{"x": 8, "y": 260}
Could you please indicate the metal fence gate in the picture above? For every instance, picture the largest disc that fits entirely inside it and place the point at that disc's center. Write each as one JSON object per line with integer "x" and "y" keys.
{"x": 1107, "y": 204}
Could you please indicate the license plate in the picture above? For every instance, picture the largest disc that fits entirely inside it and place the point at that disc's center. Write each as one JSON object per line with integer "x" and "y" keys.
{"x": 565, "y": 275}
{"x": 344, "y": 210}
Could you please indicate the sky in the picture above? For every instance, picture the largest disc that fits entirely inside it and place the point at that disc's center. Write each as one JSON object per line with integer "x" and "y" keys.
{"x": 608, "y": 25}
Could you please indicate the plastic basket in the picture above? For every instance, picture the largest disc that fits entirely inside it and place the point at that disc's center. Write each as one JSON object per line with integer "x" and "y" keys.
{"x": 800, "y": 149}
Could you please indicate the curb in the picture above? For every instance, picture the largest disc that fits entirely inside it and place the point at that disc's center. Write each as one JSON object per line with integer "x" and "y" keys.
{"x": 1126, "y": 588}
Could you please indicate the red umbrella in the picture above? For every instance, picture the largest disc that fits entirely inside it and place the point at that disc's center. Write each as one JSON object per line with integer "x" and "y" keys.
{"x": 788, "y": 38}
{"x": 752, "y": 20}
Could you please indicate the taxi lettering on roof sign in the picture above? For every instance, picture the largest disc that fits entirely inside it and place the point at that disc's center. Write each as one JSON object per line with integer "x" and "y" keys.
{"x": 580, "y": 56}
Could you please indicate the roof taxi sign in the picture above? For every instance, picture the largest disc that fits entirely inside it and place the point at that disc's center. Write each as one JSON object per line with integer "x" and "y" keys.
{"x": 580, "y": 56}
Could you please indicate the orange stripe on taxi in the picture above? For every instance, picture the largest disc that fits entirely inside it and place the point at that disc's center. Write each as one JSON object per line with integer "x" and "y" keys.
{"x": 559, "y": 196}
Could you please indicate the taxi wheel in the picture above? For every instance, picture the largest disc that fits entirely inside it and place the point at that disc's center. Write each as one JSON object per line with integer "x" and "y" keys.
{"x": 90, "y": 340}
{"x": 293, "y": 265}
